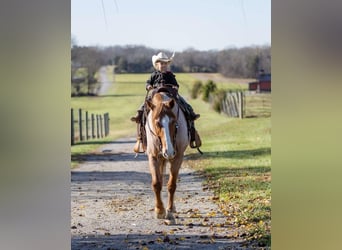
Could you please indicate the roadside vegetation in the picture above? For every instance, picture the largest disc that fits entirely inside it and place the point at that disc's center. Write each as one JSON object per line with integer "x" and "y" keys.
{"x": 236, "y": 163}
{"x": 237, "y": 167}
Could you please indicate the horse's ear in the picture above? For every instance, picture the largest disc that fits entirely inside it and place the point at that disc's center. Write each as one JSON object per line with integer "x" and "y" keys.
{"x": 150, "y": 104}
{"x": 171, "y": 103}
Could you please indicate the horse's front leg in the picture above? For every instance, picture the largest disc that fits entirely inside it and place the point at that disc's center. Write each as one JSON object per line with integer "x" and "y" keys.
{"x": 157, "y": 183}
{"x": 171, "y": 187}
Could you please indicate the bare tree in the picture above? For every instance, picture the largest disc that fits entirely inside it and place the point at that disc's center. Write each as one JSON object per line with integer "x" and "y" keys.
{"x": 233, "y": 62}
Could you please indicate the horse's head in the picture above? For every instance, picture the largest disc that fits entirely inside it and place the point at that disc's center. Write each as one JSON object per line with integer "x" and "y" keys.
{"x": 164, "y": 123}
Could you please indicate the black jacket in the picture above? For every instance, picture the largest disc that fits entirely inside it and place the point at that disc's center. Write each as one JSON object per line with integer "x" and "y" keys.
{"x": 158, "y": 78}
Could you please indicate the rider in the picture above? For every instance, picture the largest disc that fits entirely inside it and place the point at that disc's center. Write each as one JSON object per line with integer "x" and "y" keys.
{"x": 162, "y": 76}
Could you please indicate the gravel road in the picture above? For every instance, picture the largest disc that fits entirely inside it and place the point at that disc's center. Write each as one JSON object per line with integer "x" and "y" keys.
{"x": 112, "y": 206}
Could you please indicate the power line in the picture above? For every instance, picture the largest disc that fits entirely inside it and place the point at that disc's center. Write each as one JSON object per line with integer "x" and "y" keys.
{"x": 116, "y": 5}
{"x": 104, "y": 14}
{"x": 243, "y": 12}
{"x": 104, "y": 11}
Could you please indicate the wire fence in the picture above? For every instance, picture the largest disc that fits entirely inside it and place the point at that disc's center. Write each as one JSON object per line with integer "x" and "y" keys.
{"x": 88, "y": 126}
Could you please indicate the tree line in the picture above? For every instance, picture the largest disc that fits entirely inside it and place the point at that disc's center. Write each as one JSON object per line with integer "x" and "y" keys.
{"x": 243, "y": 62}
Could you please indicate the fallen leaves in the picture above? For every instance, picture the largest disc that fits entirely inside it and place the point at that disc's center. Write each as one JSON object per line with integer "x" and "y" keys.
{"x": 124, "y": 204}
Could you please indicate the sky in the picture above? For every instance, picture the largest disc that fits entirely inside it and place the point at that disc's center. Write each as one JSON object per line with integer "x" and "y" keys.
{"x": 175, "y": 25}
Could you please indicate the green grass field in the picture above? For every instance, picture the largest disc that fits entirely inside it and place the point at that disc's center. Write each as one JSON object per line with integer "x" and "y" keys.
{"x": 237, "y": 153}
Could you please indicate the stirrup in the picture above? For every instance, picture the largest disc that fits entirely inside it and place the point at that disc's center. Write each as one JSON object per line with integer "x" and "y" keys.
{"x": 138, "y": 147}
{"x": 195, "y": 140}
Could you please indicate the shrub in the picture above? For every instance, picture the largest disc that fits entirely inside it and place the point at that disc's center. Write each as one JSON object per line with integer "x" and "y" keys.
{"x": 196, "y": 89}
{"x": 208, "y": 88}
{"x": 217, "y": 98}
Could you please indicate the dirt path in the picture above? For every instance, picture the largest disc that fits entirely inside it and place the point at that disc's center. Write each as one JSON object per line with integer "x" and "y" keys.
{"x": 112, "y": 206}
{"x": 105, "y": 82}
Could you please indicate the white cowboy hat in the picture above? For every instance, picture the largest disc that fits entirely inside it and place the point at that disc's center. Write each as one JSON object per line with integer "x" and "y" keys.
{"x": 161, "y": 57}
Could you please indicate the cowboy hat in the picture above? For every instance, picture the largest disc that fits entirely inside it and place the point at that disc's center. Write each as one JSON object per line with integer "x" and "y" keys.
{"x": 161, "y": 57}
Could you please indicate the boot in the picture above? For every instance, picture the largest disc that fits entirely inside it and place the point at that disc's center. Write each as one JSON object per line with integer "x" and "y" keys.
{"x": 192, "y": 115}
{"x": 195, "y": 116}
{"x": 137, "y": 118}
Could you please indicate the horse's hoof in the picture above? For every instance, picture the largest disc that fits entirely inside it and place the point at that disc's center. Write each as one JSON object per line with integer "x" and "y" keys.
{"x": 160, "y": 213}
{"x": 160, "y": 216}
{"x": 170, "y": 217}
{"x": 169, "y": 222}
{"x": 173, "y": 209}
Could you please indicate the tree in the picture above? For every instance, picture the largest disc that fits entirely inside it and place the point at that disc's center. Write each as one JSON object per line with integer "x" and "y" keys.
{"x": 231, "y": 62}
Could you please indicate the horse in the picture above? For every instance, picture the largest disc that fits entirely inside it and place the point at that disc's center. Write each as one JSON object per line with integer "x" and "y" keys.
{"x": 167, "y": 138}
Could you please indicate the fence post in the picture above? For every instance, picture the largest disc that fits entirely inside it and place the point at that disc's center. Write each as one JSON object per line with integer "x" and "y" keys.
{"x": 97, "y": 126}
{"x": 244, "y": 104}
{"x": 107, "y": 124}
{"x": 240, "y": 95}
{"x": 235, "y": 104}
{"x": 101, "y": 130}
{"x": 230, "y": 103}
{"x": 72, "y": 128}
{"x": 92, "y": 126}
{"x": 227, "y": 104}
{"x": 86, "y": 128}
{"x": 80, "y": 123}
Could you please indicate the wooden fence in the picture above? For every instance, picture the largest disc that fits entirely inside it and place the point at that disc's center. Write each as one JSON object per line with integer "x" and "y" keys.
{"x": 88, "y": 126}
{"x": 246, "y": 104}
{"x": 233, "y": 104}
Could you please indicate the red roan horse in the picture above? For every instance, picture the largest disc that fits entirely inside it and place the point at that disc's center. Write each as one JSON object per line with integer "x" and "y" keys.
{"x": 167, "y": 138}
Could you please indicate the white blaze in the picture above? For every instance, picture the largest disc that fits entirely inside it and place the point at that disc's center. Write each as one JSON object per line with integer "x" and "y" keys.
{"x": 169, "y": 147}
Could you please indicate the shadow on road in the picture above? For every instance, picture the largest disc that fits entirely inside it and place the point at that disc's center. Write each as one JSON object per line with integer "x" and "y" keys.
{"x": 156, "y": 240}
{"x": 106, "y": 142}
{"x": 90, "y": 157}
{"x": 110, "y": 176}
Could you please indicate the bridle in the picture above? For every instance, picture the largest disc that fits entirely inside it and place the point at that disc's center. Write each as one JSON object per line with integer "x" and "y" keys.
{"x": 174, "y": 136}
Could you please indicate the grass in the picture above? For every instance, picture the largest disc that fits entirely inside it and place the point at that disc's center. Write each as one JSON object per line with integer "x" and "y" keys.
{"x": 258, "y": 105}
{"x": 236, "y": 163}
{"x": 186, "y": 81}
{"x": 237, "y": 167}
